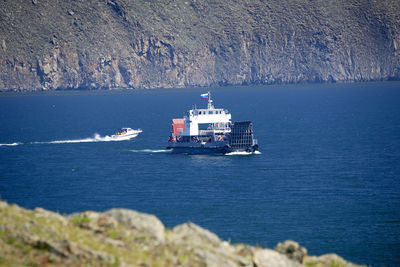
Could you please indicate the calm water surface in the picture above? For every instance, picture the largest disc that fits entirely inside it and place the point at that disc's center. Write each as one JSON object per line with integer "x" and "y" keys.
{"x": 328, "y": 175}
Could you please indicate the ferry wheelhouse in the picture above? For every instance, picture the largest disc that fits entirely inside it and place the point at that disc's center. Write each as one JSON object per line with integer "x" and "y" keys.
{"x": 210, "y": 130}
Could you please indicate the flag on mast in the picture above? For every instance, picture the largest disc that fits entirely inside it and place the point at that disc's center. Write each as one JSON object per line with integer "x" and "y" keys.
{"x": 204, "y": 96}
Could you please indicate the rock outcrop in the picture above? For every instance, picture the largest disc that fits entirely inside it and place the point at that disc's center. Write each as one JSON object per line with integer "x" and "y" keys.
{"x": 146, "y": 223}
{"x": 107, "y": 44}
{"x": 121, "y": 237}
{"x": 292, "y": 250}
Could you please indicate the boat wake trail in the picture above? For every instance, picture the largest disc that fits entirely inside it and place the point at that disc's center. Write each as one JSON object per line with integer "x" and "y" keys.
{"x": 95, "y": 138}
{"x": 11, "y": 144}
{"x": 151, "y": 150}
{"x": 243, "y": 153}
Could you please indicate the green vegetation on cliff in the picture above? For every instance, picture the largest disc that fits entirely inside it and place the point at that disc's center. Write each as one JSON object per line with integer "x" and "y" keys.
{"x": 53, "y": 44}
{"x": 121, "y": 237}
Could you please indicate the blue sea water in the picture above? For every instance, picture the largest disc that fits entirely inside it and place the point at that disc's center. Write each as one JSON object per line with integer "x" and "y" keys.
{"x": 328, "y": 176}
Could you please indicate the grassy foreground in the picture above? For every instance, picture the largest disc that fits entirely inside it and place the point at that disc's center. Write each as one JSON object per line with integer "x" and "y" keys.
{"x": 121, "y": 237}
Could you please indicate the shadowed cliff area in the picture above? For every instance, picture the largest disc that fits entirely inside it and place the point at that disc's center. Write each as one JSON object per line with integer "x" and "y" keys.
{"x": 106, "y": 44}
{"x": 121, "y": 237}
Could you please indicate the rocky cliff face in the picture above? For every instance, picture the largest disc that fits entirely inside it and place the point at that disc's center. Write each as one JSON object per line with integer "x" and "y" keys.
{"x": 106, "y": 44}
{"x": 121, "y": 237}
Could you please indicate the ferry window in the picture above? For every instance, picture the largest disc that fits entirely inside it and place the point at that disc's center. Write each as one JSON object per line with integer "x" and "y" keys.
{"x": 200, "y": 112}
{"x": 205, "y": 126}
{"x": 210, "y": 112}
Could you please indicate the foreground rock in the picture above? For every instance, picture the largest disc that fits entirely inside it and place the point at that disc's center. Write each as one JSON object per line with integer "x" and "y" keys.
{"x": 267, "y": 257}
{"x": 121, "y": 237}
{"x": 107, "y": 44}
{"x": 292, "y": 250}
{"x": 146, "y": 223}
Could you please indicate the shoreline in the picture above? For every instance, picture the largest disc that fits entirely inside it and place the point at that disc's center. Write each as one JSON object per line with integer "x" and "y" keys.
{"x": 183, "y": 89}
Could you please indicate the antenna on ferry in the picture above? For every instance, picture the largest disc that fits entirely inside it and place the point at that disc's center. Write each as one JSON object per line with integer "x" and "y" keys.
{"x": 210, "y": 105}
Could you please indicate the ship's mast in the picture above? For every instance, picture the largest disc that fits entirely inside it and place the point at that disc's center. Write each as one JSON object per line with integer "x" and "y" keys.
{"x": 210, "y": 105}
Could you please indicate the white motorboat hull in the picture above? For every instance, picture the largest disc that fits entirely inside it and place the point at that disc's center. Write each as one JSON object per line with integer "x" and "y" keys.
{"x": 129, "y": 135}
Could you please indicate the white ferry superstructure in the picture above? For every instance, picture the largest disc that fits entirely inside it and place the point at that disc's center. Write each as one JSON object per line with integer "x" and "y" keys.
{"x": 210, "y": 130}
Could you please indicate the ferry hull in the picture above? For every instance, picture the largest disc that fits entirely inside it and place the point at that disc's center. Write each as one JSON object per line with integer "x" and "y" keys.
{"x": 197, "y": 150}
{"x": 205, "y": 150}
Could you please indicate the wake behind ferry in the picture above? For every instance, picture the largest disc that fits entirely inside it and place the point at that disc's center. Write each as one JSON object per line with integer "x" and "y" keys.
{"x": 210, "y": 130}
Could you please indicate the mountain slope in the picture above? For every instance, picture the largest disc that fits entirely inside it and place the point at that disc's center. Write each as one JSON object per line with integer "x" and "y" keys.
{"x": 54, "y": 44}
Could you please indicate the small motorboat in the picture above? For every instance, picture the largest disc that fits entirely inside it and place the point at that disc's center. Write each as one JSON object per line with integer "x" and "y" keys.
{"x": 126, "y": 134}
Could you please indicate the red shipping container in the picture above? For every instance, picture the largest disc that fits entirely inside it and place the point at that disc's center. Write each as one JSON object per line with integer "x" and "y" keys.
{"x": 178, "y": 126}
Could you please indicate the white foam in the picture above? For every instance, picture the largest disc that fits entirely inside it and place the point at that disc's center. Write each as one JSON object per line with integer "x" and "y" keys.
{"x": 86, "y": 140}
{"x": 11, "y": 144}
{"x": 151, "y": 150}
{"x": 238, "y": 153}
{"x": 242, "y": 153}
{"x": 96, "y": 138}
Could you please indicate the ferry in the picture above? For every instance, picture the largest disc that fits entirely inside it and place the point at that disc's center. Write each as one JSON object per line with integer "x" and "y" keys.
{"x": 126, "y": 134}
{"x": 209, "y": 131}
